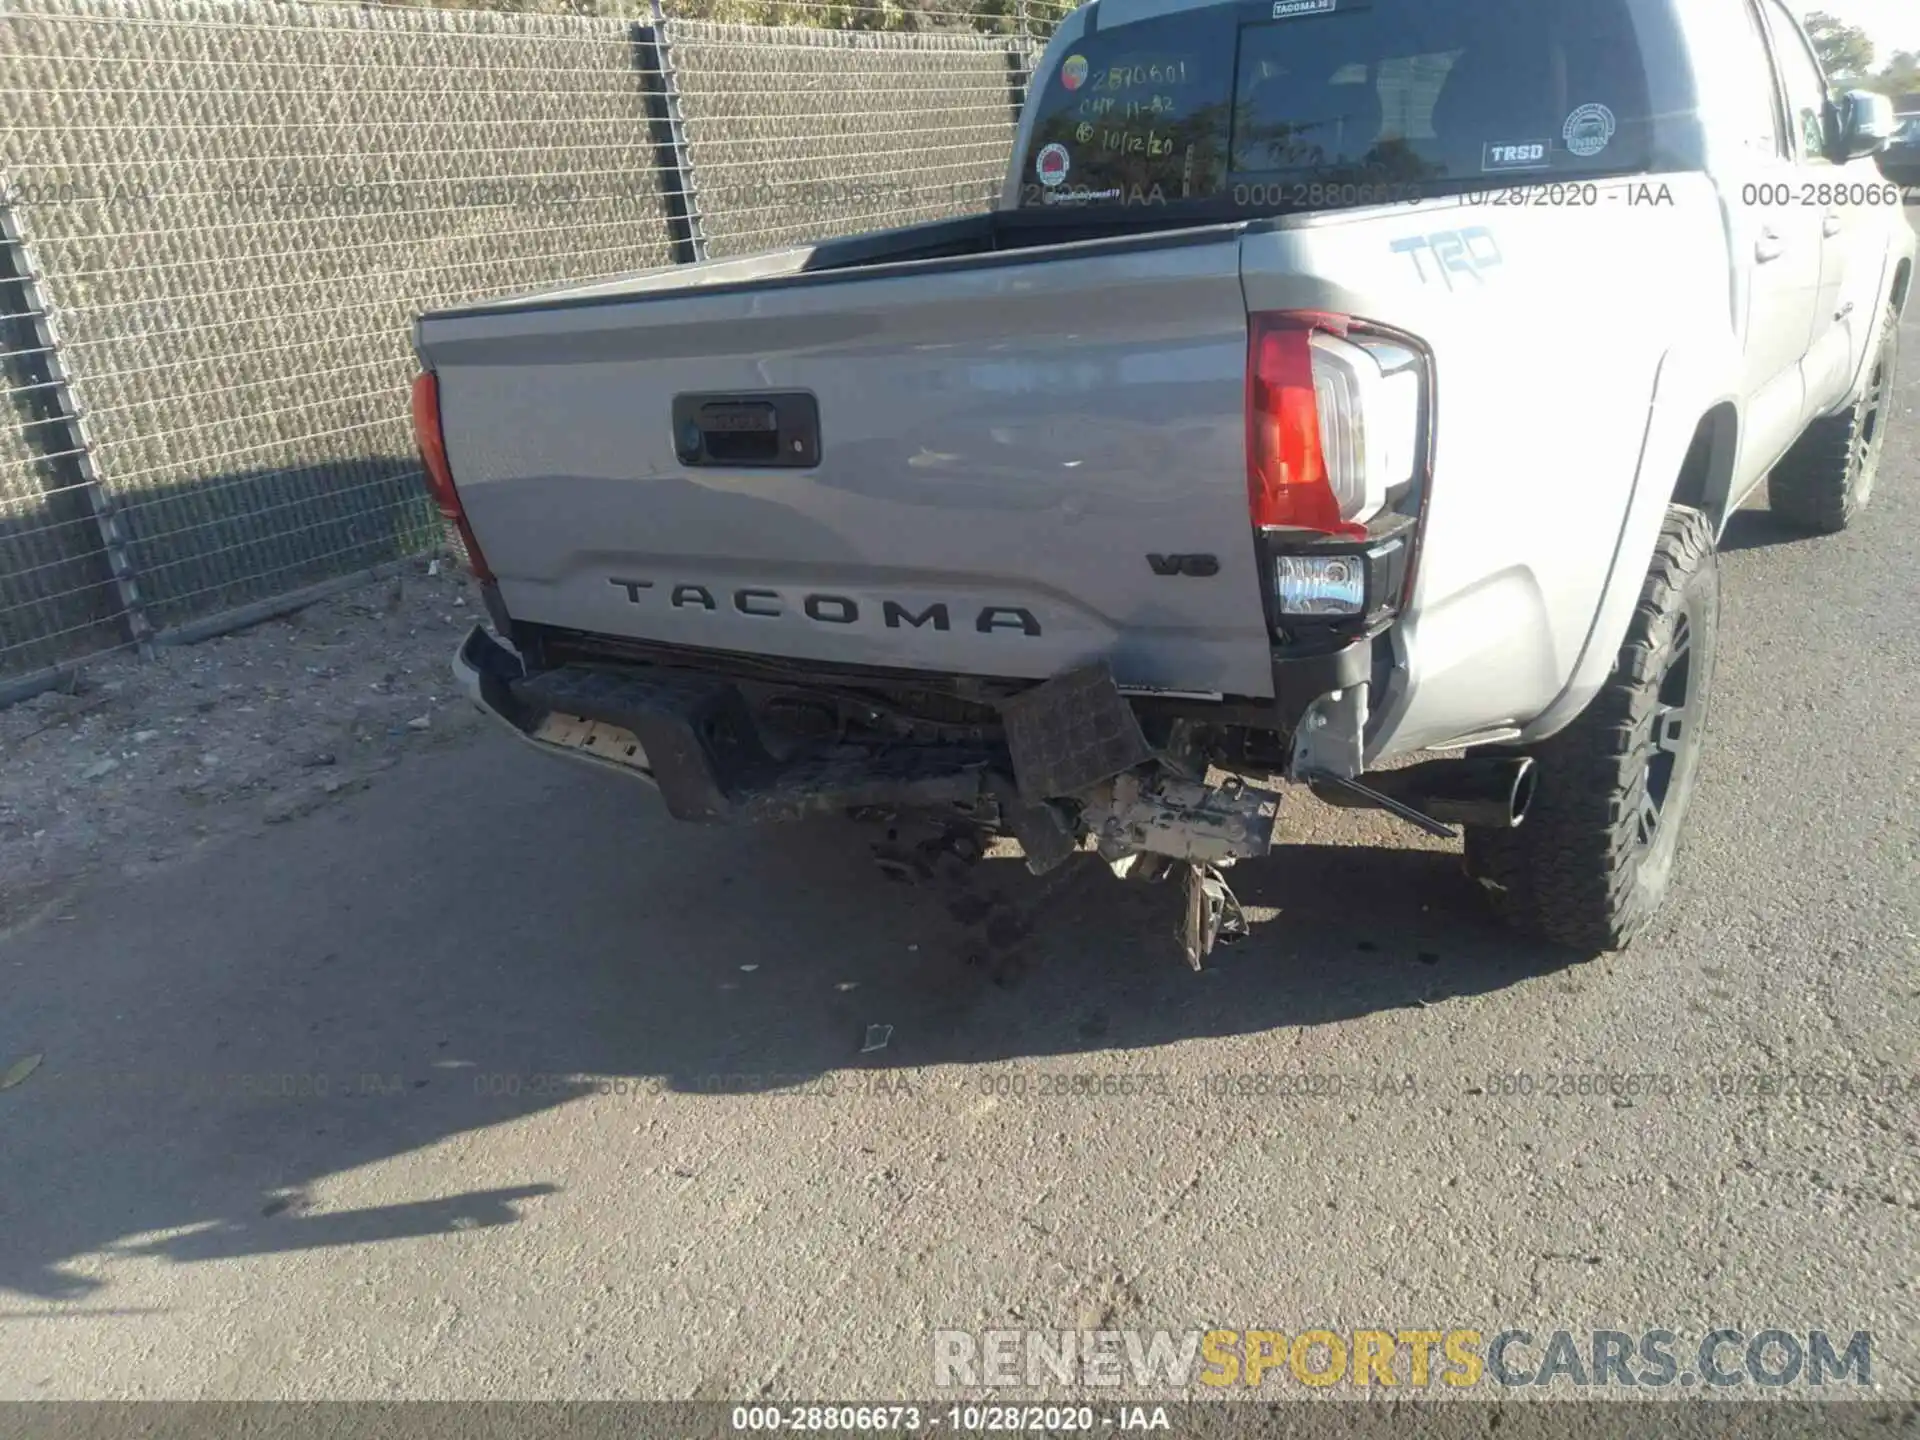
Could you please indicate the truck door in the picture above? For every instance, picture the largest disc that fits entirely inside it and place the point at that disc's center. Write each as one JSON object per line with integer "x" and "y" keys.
{"x": 1827, "y": 370}
{"x": 1775, "y": 247}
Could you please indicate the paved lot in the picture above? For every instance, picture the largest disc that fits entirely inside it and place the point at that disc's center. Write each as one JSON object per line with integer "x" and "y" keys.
{"x": 444, "y": 1222}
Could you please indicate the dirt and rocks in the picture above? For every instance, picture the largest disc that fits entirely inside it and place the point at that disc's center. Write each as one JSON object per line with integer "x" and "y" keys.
{"x": 139, "y": 763}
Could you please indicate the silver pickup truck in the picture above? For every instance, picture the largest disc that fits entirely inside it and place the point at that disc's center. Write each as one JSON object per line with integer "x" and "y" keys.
{"x": 1345, "y": 396}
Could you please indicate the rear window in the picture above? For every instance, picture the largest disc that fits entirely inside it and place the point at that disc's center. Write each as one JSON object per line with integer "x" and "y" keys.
{"x": 1310, "y": 104}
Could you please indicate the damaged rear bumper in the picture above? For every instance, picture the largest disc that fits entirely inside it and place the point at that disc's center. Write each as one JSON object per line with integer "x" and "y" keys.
{"x": 691, "y": 735}
{"x": 486, "y": 672}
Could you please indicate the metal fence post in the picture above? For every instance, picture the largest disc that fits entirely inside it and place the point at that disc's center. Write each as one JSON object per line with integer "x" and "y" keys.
{"x": 683, "y": 200}
{"x": 77, "y": 447}
{"x": 1019, "y": 61}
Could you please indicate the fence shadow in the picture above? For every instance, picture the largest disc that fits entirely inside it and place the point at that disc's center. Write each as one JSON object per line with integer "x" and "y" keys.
{"x": 201, "y": 549}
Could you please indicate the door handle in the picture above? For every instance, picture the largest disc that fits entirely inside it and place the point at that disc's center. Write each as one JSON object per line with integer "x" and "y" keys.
{"x": 1844, "y": 311}
{"x": 1834, "y": 224}
{"x": 1769, "y": 246}
{"x": 755, "y": 430}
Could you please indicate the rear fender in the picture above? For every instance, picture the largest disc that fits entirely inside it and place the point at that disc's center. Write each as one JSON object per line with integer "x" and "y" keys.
{"x": 1693, "y": 386}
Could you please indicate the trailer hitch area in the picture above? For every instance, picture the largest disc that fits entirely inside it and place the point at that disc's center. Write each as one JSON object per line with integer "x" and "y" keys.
{"x": 1147, "y": 826}
{"x": 1076, "y": 739}
{"x": 1213, "y": 914}
{"x": 1182, "y": 819}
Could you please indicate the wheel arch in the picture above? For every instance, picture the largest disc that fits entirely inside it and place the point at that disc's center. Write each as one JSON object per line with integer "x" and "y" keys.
{"x": 1899, "y": 285}
{"x": 1705, "y": 481}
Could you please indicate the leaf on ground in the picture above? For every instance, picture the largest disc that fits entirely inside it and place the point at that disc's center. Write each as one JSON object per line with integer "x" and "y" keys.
{"x": 19, "y": 1070}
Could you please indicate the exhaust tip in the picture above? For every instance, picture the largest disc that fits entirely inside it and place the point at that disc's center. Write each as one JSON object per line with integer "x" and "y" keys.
{"x": 1494, "y": 792}
{"x": 1490, "y": 791}
{"x": 1520, "y": 798}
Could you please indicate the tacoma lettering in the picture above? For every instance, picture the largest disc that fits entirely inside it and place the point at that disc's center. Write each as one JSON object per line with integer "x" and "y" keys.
{"x": 896, "y": 614}
{"x": 829, "y": 609}
{"x": 832, "y": 609}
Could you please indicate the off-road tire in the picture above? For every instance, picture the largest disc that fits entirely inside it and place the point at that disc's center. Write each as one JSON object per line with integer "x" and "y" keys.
{"x": 1826, "y": 479}
{"x": 1585, "y": 869}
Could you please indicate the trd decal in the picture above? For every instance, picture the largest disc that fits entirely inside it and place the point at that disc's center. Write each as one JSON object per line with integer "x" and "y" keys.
{"x": 1468, "y": 253}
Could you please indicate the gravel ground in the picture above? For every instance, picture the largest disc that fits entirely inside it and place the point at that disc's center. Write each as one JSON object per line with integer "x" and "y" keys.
{"x": 141, "y": 763}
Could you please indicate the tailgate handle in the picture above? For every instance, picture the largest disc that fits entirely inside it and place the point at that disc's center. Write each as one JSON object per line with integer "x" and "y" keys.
{"x": 746, "y": 431}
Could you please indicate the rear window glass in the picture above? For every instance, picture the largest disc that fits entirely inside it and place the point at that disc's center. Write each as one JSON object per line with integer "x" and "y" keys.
{"x": 1314, "y": 103}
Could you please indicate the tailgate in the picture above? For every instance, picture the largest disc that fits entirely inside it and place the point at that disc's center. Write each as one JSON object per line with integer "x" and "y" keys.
{"x": 1024, "y": 461}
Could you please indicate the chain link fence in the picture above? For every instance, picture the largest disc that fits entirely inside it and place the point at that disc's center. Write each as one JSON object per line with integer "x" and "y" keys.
{"x": 793, "y": 134}
{"x": 218, "y": 219}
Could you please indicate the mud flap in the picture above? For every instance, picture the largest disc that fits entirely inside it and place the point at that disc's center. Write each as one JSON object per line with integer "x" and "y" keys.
{"x": 1072, "y": 732}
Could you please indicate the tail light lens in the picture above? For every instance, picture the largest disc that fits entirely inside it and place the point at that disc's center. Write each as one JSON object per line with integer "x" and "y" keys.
{"x": 1334, "y": 415}
{"x": 433, "y": 458}
{"x": 1332, "y": 424}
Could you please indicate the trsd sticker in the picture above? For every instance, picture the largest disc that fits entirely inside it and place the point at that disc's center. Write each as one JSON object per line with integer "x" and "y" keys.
{"x": 1590, "y": 129}
{"x": 1289, "y": 9}
{"x": 1526, "y": 155}
{"x": 1052, "y": 165}
{"x": 1073, "y": 71}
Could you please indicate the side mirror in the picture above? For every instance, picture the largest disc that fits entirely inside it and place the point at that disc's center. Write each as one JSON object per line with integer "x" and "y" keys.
{"x": 1866, "y": 123}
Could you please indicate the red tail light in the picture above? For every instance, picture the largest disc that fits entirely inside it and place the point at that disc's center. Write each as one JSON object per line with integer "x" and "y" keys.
{"x": 433, "y": 456}
{"x": 1288, "y": 485}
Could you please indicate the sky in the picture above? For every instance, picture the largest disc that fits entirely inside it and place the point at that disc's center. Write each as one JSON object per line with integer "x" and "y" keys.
{"x": 1893, "y": 24}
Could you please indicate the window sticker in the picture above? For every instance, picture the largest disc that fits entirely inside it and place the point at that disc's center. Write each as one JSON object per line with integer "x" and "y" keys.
{"x": 1052, "y": 165}
{"x": 1589, "y": 130}
{"x": 1073, "y": 71}
{"x": 1520, "y": 155}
